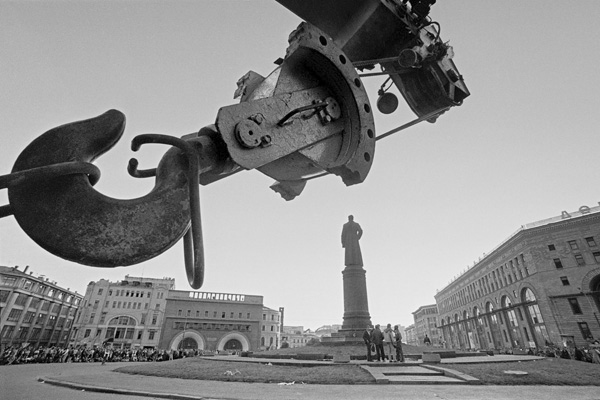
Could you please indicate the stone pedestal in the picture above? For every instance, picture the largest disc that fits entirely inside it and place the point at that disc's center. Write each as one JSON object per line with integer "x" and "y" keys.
{"x": 356, "y": 304}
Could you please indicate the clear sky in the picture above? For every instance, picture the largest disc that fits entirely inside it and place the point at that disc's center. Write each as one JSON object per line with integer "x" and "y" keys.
{"x": 522, "y": 148}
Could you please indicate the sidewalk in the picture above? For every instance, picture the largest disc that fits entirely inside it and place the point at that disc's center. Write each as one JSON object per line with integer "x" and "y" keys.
{"x": 96, "y": 377}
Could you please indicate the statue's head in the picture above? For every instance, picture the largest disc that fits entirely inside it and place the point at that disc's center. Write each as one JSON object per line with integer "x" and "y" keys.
{"x": 350, "y": 217}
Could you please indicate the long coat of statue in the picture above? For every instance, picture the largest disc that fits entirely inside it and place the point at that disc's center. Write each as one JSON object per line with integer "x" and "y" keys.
{"x": 351, "y": 234}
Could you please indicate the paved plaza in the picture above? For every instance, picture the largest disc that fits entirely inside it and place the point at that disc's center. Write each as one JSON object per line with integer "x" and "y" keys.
{"x": 20, "y": 381}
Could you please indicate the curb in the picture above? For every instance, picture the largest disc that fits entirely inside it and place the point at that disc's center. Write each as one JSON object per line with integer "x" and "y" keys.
{"x": 98, "y": 389}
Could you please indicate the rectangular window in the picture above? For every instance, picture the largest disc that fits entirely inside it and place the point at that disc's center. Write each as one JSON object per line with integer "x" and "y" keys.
{"x": 551, "y": 247}
{"x": 579, "y": 259}
{"x": 597, "y": 256}
{"x": 557, "y": 263}
{"x": 585, "y": 330}
{"x": 7, "y": 331}
{"x": 590, "y": 241}
{"x": 189, "y": 313}
{"x": 14, "y": 315}
{"x": 197, "y": 313}
{"x": 573, "y": 245}
{"x": 21, "y": 300}
{"x": 154, "y": 318}
{"x": 22, "y": 333}
{"x": 206, "y": 314}
{"x": 139, "y": 336}
{"x": 35, "y": 333}
{"x": 223, "y": 314}
{"x": 248, "y": 316}
{"x": 110, "y": 332}
{"x": 4, "y": 296}
{"x": 87, "y": 333}
{"x": 8, "y": 280}
{"x": 564, "y": 280}
{"x": 102, "y": 318}
{"x": 100, "y": 291}
{"x": 40, "y": 318}
{"x": 151, "y": 335}
{"x": 92, "y": 316}
{"x": 214, "y": 314}
{"x": 574, "y": 305}
{"x": 231, "y": 315}
{"x": 29, "y": 317}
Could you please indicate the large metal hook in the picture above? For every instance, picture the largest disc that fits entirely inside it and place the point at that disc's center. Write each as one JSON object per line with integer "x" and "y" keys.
{"x": 66, "y": 216}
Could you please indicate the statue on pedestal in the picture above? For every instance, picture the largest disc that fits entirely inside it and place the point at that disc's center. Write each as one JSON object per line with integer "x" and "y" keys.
{"x": 351, "y": 234}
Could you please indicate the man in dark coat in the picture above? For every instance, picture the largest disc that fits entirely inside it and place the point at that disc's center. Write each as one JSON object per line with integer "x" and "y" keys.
{"x": 367, "y": 339}
{"x": 377, "y": 339}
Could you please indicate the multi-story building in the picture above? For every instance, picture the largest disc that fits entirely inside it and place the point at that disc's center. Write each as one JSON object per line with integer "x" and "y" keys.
{"x": 411, "y": 335}
{"x": 540, "y": 286}
{"x": 218, "y": 321}
{"x": 270, "y": 337}
{"x": 426, "y": 323}
{"x": 129, "y": 313}
{"x": 296, "y": 336}
{"x": 34, "y": 310}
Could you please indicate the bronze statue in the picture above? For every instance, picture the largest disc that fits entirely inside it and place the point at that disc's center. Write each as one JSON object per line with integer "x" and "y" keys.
{"x": 351, "y": 234}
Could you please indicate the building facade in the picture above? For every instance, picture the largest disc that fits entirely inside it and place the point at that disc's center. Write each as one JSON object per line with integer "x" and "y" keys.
{"x": 218, "y": 322}
{"x": 411, "y": 335}
{"x": 541, "y": 286}
{"x": 34, "y": 310}
{"x": 426, "y": 323}
{"x": 296, "y": 336}
{"x": 270, "y": 337}
{"x": 129, "y": 313}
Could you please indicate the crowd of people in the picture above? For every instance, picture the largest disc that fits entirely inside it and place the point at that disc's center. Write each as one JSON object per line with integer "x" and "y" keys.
{"x": 591, "y": 354}
{"x": 105, "y": 353}
{"x": 377, "y": 341}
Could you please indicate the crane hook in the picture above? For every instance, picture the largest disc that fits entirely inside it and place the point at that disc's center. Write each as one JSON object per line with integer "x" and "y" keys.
{"x": 66, "y": 216}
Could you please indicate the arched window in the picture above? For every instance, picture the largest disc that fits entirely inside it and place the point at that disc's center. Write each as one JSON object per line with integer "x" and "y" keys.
{"x": 528, "y": 295}
{"x": 536, "y": 316}
{"x": 122, "y": 320}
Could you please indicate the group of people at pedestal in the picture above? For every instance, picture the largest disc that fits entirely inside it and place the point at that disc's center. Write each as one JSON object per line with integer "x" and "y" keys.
{"x": 376, "y": 342}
